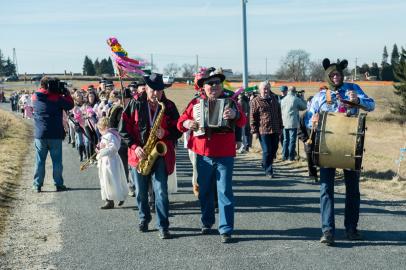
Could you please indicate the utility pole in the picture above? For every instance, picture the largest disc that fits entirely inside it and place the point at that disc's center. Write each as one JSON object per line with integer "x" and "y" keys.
{"x": 266, "y": 68}
{"x": 15, "y": 60}
{"x": 152, "y": 62}
{"x": 197, "y": 63}
{"x": 355, "y": 72}
{"x": 244, "y": 45}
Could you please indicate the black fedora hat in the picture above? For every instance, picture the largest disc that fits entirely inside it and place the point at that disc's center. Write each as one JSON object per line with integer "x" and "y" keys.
{"x": 210, "y": 73}
{"x": 155, "y": 81}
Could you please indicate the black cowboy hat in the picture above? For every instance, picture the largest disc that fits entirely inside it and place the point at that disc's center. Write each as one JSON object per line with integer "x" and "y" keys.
{"x": 155, "y": 81}
{"x": 208, "y": 74}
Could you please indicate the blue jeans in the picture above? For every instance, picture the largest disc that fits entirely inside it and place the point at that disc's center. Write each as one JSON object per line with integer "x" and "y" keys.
{"x": 211, "y": 172}
{"x": 269, "y": 145}
{"x": 352, "y": 199}
{"x": 160, "y": 184}
{"x": 289, "y": 143}
{"x": 42, "y": 146}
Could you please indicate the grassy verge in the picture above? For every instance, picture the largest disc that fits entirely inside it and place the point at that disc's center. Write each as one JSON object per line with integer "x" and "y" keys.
{"x": 15, "y": 136}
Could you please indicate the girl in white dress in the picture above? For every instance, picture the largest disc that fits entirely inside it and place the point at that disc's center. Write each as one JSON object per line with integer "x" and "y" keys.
{"x": 113, "y": 182}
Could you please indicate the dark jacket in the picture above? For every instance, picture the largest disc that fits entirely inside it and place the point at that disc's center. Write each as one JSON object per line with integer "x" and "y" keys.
{"x": 134, "y": 128}
{"x": 48, "y": 114}
{"x": 265, "y": 115}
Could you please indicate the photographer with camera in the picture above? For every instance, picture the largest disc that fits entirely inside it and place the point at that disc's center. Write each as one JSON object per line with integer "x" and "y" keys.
{"x": 291, "y": 105}
{"x": 49, "y": 102}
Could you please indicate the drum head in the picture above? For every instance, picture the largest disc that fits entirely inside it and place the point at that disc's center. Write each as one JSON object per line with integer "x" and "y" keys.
{"x": 340, "y": 141}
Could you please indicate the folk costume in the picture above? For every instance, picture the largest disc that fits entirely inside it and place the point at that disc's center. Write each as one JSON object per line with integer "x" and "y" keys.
{"x": 113, "y": 181}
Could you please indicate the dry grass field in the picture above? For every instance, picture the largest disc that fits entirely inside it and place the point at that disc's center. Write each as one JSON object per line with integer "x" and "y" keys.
{"x": 14, "y": 135}
{"x": 383, "y": 140}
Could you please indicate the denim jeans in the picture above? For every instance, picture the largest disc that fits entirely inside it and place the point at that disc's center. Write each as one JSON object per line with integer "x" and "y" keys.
{"x": 352, "y": 199}
{"x": 160, "y": 184}
{"x": 218, "y": 172}
{"x": 269, "y": 145}
{"x": 42, "y": 146}
{"x": 289, "y": 143}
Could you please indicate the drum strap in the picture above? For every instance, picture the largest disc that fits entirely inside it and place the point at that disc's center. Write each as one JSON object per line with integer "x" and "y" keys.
{"x": 328, "y": 96}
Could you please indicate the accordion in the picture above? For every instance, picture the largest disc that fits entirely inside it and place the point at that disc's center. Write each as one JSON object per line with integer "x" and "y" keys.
{"x": 209, "y": 115}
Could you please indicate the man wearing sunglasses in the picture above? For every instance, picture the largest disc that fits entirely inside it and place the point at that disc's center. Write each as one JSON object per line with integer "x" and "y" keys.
{"x": 215, "y": 153}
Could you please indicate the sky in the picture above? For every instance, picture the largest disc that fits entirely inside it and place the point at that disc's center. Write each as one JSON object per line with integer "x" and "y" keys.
{"x": 51, "y": 36}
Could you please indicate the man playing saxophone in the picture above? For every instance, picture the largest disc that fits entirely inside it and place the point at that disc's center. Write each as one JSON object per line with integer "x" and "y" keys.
{"x": 146, "y": 124}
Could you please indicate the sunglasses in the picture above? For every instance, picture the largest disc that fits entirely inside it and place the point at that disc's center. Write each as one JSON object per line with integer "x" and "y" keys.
{"x": 334, "y": 74}
{"x": 213, "y": 83}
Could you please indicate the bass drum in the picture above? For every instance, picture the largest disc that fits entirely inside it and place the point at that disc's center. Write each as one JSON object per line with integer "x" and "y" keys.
{"x": 339, "y": 141}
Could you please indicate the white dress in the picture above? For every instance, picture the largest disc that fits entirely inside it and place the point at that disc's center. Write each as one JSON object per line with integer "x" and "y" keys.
{"x": 113, "y": 182}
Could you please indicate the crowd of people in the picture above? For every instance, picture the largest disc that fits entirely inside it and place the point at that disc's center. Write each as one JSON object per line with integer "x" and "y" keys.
{"x": 119, "y": 130}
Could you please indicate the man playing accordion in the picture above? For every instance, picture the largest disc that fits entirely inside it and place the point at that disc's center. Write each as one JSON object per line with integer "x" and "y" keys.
{"x": 215, "y": 150}
{"x": 345, "y": 98}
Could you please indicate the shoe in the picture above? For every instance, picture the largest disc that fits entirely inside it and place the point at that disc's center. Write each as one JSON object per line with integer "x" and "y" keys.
{"x": 61, "y": 188}
{"x": 36, "y": 189}
{"x": 143, "y": 226}
{"x": 120, "y": 203}
{"x": 225, "y": 238}
{"x": 109, "y": 205}
{"x": 164, "y": 234}
{"x": 270, "y": 175}
{"x": 353, "y": 235}
{"x": 206, "y": 230}
{"x": 327, "y": 238}
{"x": 131, "y": 193}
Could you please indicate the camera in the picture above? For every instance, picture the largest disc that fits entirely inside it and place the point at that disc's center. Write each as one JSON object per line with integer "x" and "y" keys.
{"x": 300, "y": 93}
{"x": 57, "y": 86}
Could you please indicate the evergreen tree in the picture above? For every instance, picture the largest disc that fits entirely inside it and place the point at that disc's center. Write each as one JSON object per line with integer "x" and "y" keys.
{"x": 110, "y": 66}
{"x": 104, "y": 67}
{"x": 384, "y": 57}
{"x": 400, "y": 89}
{"x": 387, "y": 73}
{"x": 88, "y": 67}
{"x": 97, "y": 66}
{"x": 2, "y": 64}
{"x": 374, "y": 71}
{"x": 395, "y": 56}
{"x": 9, "y": 68}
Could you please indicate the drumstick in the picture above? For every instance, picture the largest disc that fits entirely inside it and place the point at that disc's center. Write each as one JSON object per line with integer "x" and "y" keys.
{"x": 309, "y": 141}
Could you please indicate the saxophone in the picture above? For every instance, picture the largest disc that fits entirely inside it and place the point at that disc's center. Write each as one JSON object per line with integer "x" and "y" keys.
{"x": 153, "y": 148}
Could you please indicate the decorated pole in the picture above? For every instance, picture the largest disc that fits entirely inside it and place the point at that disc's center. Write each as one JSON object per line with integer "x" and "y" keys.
{"x": 126, "y": 67}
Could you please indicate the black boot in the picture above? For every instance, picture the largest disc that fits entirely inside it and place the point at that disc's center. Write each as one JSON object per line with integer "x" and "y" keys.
{"x": 81, "y": 151}
{"x": 109, "y": 205}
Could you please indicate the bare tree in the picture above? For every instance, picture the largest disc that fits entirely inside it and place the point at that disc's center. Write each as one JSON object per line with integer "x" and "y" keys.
{"x": 316, "y": 71}
{"x": 171, "y": 69}
{"x": 188, "y": 70}
{"x": 294, "y": 65}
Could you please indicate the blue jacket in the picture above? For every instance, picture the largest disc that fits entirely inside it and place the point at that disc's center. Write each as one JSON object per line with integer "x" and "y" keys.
{"x": 319, "y": 102}
{"x": 48, "y": 109}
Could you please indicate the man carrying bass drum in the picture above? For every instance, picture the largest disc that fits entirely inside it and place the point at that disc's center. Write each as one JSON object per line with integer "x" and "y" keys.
{"x": 345, "y": 98}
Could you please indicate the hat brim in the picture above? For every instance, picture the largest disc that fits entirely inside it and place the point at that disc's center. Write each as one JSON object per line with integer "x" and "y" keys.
{"x": 154, "y": 85}
{"x": 201, "y": 81}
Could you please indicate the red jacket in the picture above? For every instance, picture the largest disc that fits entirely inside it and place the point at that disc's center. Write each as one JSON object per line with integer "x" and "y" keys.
{"x": 219, "y": 144}
{"x": 134, "y": 128}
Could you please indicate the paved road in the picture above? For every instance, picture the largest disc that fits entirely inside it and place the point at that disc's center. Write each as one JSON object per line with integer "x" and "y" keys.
{"x": 276, "y": 226}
